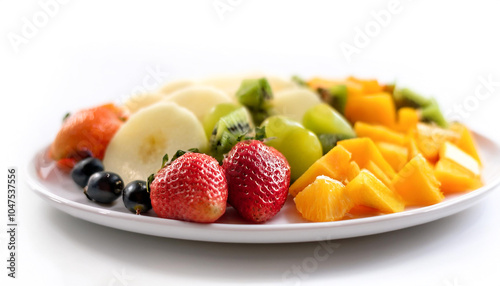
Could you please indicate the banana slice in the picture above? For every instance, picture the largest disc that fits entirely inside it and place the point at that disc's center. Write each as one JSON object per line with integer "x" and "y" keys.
{"x": 279, "y": 84}
{"x": 198, "y": 99}
{"x": 175, "y": 85}
{"x": 228, "y": 83}
{"x": 293, "y": 103}
{"x": 137, "y": 102}
{"x": 137, "y": 148}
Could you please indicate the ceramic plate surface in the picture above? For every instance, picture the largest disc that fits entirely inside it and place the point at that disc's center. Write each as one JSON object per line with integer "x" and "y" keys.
{"x": 62, "y": 193}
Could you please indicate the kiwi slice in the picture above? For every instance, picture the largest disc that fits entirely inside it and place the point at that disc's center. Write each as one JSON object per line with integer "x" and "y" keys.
{"x": 335, "y": 96}
{"x": 213, "y": 116}
{"x": 432, "y": 113}
{"x": 407, "y": 98}
{"x": 256, "y": 95}
{"x": 299, "y": 81}
{"x": 229, "y": 130}
{"x": 428, "y": 107}
{"x": 328, "y": 140}
{"x": 389, "y": 88}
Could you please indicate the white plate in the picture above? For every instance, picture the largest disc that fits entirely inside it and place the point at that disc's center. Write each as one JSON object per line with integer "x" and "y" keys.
{"x": 61, "y": 192}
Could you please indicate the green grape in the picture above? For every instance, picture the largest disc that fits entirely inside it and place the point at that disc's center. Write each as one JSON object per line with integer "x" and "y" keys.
{"x": 278, "y": 125}
{"x": 215, "y": 114}
{"x": 323, "y": 119}
{"x": 328, "y": 124}
{"x": 300, "y": 146}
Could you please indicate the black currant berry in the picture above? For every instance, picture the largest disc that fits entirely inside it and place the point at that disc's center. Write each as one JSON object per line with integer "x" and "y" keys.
{"x": 104, "y": 187}
{"x": 136, "y": 197}
{"x": 82, "y": 171}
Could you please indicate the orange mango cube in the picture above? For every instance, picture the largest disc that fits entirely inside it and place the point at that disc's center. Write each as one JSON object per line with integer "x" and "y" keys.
{"x": 334, "y": 164}
{"x": 316, "y": 83}
{"x": 417, "y": 184}
{"x": 379, "y": 133}
{"x": 451, "y": 152}
{"x": 369, "y": 86}
{"x": 367, "y": 190}
{"x": 412, "y": 145}
{"x": 363, "y": 150}
{"x": 352, "y": 171}
{"x": 429, "y": 139}
{"x": 466, "y": 141}
{"x": 375, "y": 108}
{"x": 375, "y": 170}
{"x": 455, "y": 178}
{"x": 396, "y": 156}
{"x": 407, "y": 119}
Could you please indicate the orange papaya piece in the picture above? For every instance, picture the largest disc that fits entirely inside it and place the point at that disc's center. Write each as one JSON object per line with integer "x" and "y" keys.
{"x": 455, "y": 178}
{"x": 367, "y": 190}
{"x": 87, "y": 130}
{"x": 369, "y": 86}
{"x": 430, "y": 138}
{"x": 417, "y": 184}
{"x": 407, "y": 119}
{"x": 395, "y": 155}
{"x": 375, "y": 108}
{"x": 363, "y": 150}
{"x": 334, "y": 164}
{"x": 379, "y": 133}
{"x": 466, "y": 141}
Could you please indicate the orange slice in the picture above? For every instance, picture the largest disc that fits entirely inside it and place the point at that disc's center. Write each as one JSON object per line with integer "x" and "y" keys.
{"x": 323, "y": 200}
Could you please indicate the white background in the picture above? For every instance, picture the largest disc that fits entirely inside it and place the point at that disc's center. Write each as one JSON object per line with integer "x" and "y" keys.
{"x": 89, "y": 52}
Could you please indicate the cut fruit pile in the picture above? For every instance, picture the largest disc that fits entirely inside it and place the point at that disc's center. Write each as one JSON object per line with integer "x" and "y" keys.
{"x": 340, "y": 147}
{"x": 407, "y": 153}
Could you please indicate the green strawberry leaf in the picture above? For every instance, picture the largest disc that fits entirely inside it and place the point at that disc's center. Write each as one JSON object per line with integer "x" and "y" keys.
{"x": 149, "y": 181}
{"x": 164, "y": 161}
{"x": 182, "y": 152}
{"x": 260, "y": 133}
{"x": 177, "y": 154}
{"x": 66, "y": 116}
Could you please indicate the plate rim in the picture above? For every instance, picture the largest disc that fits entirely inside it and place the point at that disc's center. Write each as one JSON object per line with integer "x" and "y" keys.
{"x": 461, "y": 202}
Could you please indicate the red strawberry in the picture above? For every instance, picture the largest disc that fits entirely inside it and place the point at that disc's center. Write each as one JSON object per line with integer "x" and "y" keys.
{"x": 258, "y": 177}
{"x": 192, "y": 188}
